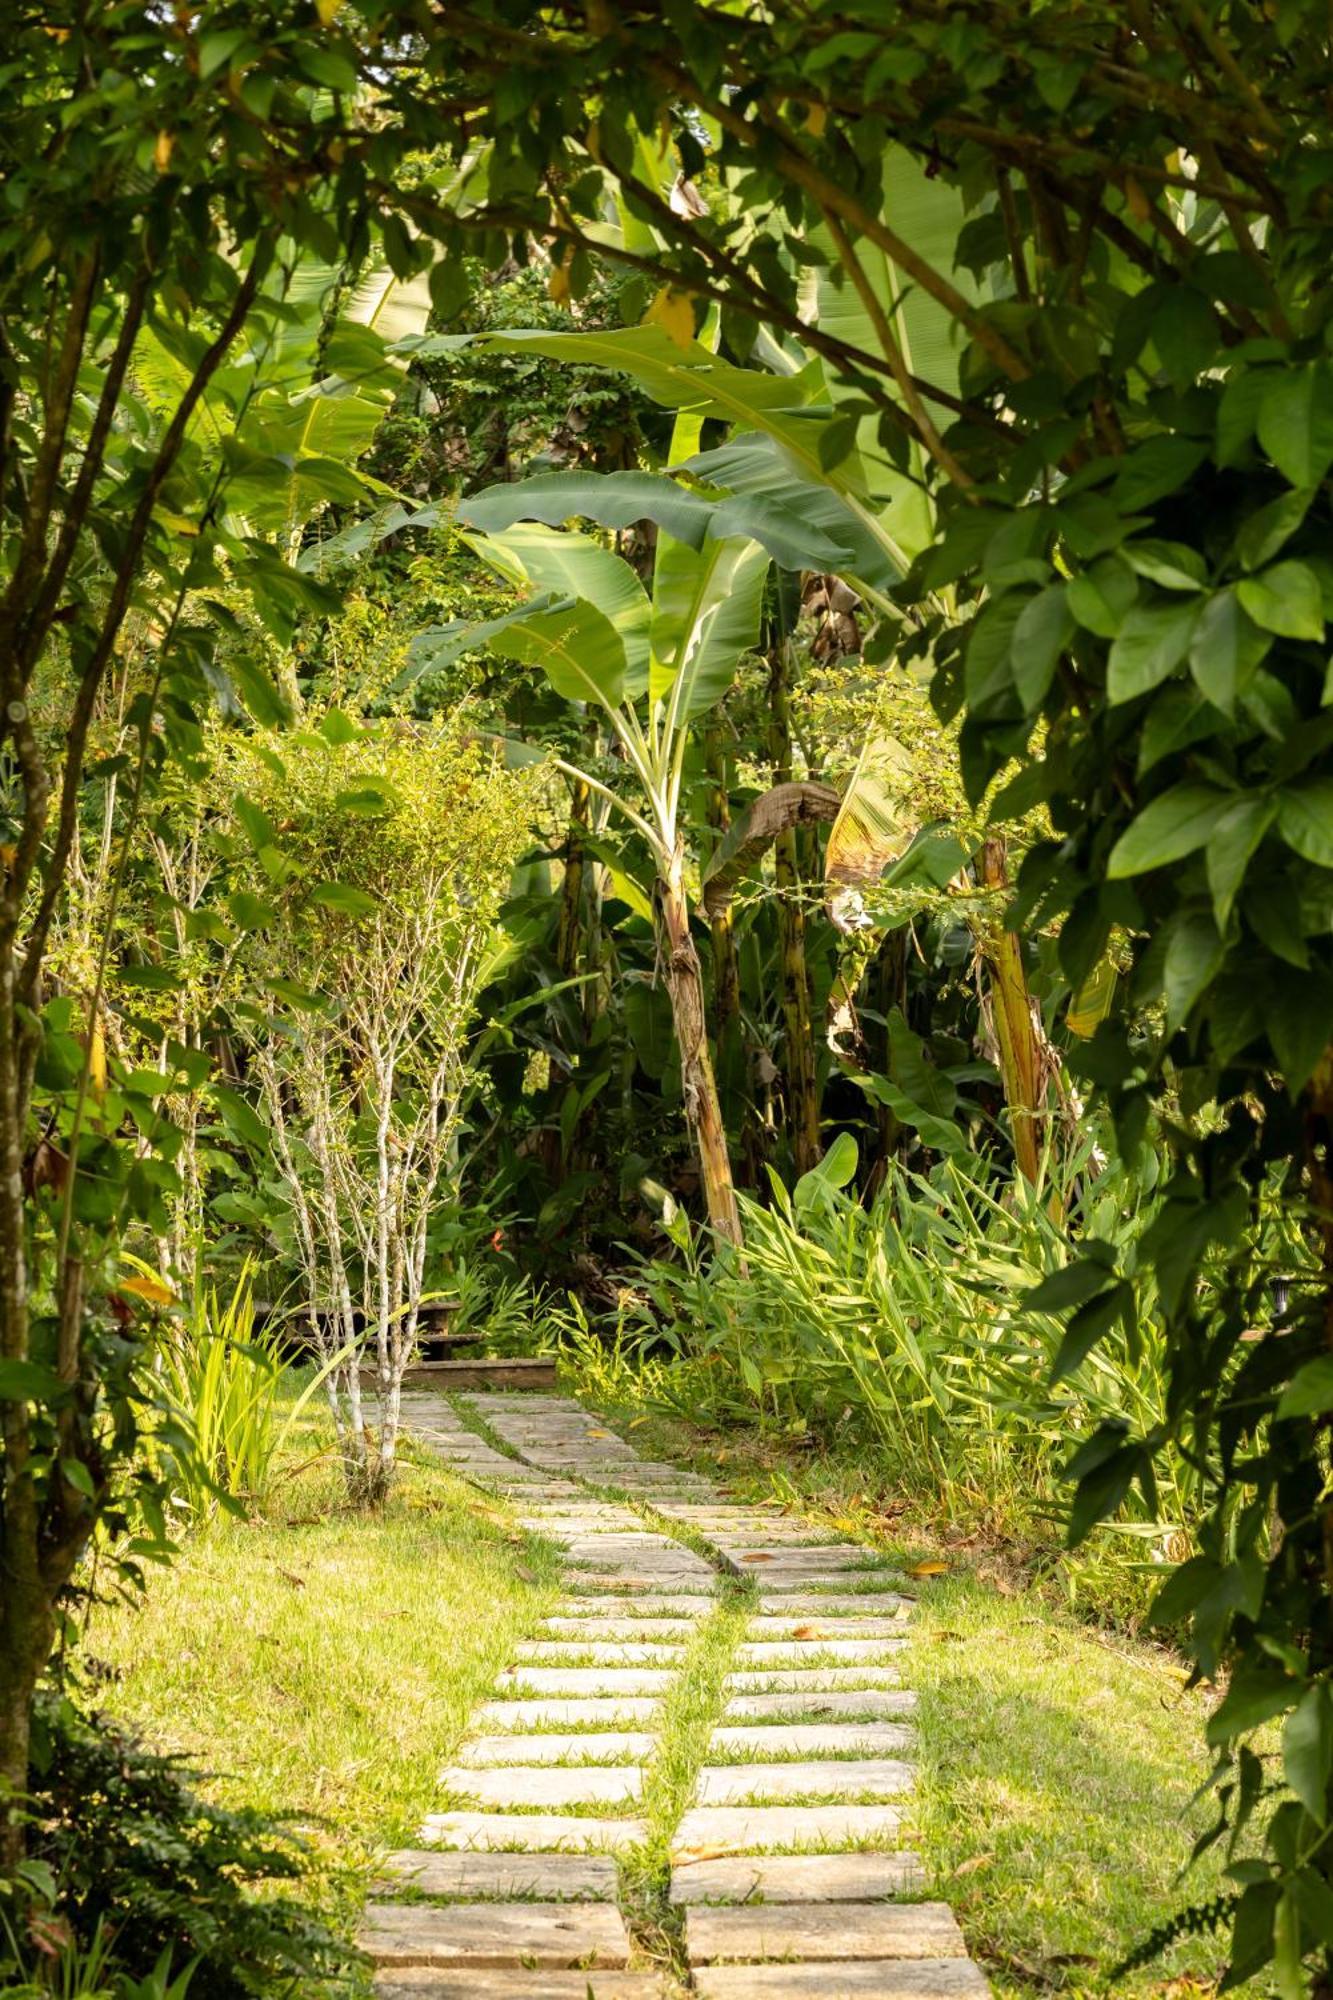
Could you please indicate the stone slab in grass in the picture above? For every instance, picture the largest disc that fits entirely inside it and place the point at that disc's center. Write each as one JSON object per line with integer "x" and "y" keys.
{"x": 605, "y": 1712}
{"x": 590, "y": 1877}
{"x": 608, "y": 1630}
{"x": 632, "y": 1605}
{"x": 585, "y": 1680}
{"x": 596, "y": 1746}
{"x": 813, "y": 1704}
{"x": 823, "y": 1931}
{"x": 797, "y": 1878}
{"x": 591, "y": 1652}
{"x": 885, "y": 1979}
{"x": 564, "y": 1935}
{"x": 813, "y": 1739}
{"x": 530, "y": 1833}
{"x": 768, "y": 1625}
{"x": 760, "y": 1829}
{"x": 828, "y": 1778}
{"x": 662, "y": 1577}
{"x": 480, "y": 1983}
{"x": 540, "y": 1785}
{"x": 836, "y": 1604}
{"x": 816, "y": 1652}
{"x": 797, "y": 1679}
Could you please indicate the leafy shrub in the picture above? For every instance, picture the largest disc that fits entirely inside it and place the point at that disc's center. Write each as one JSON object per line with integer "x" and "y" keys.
{"x": 141, "y": 1873}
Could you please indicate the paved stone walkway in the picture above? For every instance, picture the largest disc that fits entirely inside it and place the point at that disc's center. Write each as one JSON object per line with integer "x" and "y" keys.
{"x": 787, "y": 1873}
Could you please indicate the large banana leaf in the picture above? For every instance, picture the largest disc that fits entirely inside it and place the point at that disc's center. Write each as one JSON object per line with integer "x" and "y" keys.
{"x": 576, "y": 646}
{"x": 928, "y": 214}
{"x": 620, "y": 499}
{"x": 573, "y": 565}
{"x": 752, "y": 463}
{"x": 706, "y": 610}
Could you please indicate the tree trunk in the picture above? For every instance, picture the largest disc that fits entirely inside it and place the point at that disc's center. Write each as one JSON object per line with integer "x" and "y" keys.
{"x": 1016, "y": 1035}
{"x": 702, "y": 1109}
{"x": 794, "y": 973}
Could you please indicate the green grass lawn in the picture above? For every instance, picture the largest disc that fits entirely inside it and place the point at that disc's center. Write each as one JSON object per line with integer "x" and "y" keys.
{"x": 324, "y": 1663}
{"x": 1059, "y": 1757}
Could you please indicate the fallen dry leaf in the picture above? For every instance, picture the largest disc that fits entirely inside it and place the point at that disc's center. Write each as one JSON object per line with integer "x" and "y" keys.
{"x": 971, "y": 1865}
{"x": 930, "y": 1569}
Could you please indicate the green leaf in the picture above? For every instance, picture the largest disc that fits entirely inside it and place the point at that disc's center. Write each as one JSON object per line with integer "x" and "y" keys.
{"x": 1299, "y": 1019}
{"x": 1307, "y": 1751}
{"x": 1226, "y": 648}
{"x": 240, "y": 1115}
{"x": 1310, "y": 1390}
{"x": 1231, "y": 846}
{"x": 1044, "y": 628}
{"x": 367, "y": 801}
{"x": 257, "y": 691}
{"x": 1305, "y": 820}
{"x": 1193, "y": 957}
{"x": 1296, "y": 421}
{"x": 1269, "y": 527}
{"x": 343, "y": 898}
{"x": 707, "y": 606}
{"x": 1101, "y": 597}
{"x": 1091, "y": 1323}
{"x": 250, "y": 913}
{"x": 1173, "y": 826}
{"x": 28, "y": 1382}
{"x": 1151, "y": 643}
{"x": 324, "y": 65}
{"x": 1071, "y": 1285}
{"x": 1173, "y": 565}
{"x": 573, "y": 565}
{"x": 1285, "y": 599}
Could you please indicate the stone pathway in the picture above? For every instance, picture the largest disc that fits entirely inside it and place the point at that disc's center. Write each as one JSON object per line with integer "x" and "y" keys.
{"x": 788, "y": 1877}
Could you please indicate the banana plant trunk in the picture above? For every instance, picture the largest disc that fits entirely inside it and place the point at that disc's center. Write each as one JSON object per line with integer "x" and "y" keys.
{"x": 1021, "y": 1057}
{"x": 794, "y": 973}
{"x": 702, "y": 1108}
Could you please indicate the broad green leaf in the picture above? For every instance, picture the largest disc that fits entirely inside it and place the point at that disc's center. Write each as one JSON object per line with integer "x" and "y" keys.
{"x": 755, "y": 464}
{"x": 1307, "y": 1750}
{"x": 28, "y": 1382}
{"x": 569, "y": 564}
{"x": 1305, "y": 820}
{"x": 1230, "y": 847}
{"x": 342, "y": 898}
{"x": 1268, "y": 528}
{"x": 1285, "y": 599}
{"x": 1100, "y": 598}
{"x": 1172, "y": 565}
{"x": 250, "y": 913}
{"x": 705, "y": 616}
{"x": 1310, "y": 1391}
{"x": 1152, "y": 641}
{"x": 1226, "y": 648}
{"x": 1173, "y": 826}
{"x": 240, "y": 1115}
{"x": 1296, "y": 421}
{"x": 1193, "y": 956}
{"x": 578, "y": 649}
{"x": 1044, "y": 628}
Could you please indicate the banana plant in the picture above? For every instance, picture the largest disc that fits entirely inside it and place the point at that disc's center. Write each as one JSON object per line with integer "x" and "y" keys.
{"x": 651, "y": 665}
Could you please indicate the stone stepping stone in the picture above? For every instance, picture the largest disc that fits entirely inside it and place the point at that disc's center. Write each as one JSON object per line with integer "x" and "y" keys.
{"x": 546, "y": 1876}
{"x": 823, "y": 1931}
{"x": 526, "y": 1934}
{"x": 810, "y": 1739}
{"x": 884, "y": 1979}
{"x": 508, "y": 1786}
{"x": 811, "y": 1652}
{"x": 718, "y": 1830}
{"x": 811, "y": 1705}
{"x": 829, "y": 1778}
{"x": 581, "y": 1608}
{"x": 794, "y": 1679}
{"x": 610, "y": 1712}
{"x": 604, "y": 1746}
{"x": 530, "y": 1833}
{"x": 482, "y": 1983}
{"x": 588, "y": 1652}
{"x": 797, "y": 1878}
{"x": 767, "y": 1626}
{"x": 834, "y": 1604}
{"x": 586, "y": 1680}
{"x": 589, "y": 1585}
{"x": 602, "y": 1629}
